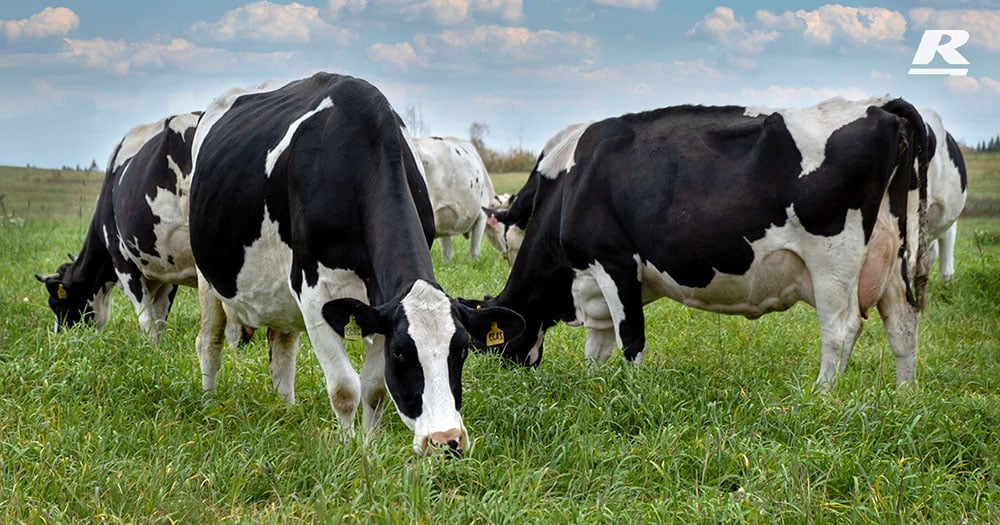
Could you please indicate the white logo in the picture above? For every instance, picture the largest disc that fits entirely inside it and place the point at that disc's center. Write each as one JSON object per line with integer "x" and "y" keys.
{"x": 931, "y": 45}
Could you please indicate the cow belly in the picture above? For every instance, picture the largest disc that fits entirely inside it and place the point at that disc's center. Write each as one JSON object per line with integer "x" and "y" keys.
{"x": 774, "y": 282}
{"x": 263, "y": 297}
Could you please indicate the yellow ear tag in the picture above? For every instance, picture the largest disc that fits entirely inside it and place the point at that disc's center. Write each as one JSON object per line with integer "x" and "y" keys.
{"x": 495, "y": 336}
{"x": 61, "y": 292}
{"x": 352, "y": 332}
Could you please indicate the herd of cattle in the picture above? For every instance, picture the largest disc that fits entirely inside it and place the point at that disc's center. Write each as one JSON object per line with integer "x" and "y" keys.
{"x": 308, "y": 207}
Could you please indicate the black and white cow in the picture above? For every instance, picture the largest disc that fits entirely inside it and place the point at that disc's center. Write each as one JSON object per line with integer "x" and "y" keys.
{"x": 138, "y": 237}
{"x": 459, "y": 189}
{"x": 731, "y": 210}
{"x": 307, "y": 206}
{"x": 946, "y": 192}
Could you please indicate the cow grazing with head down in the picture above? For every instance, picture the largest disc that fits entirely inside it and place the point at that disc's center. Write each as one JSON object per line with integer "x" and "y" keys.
{"x": 459, "y": 188}
{"x": 947, "y": 186}
{"x": 329, "y": 232}
{"x": 728, "y": 209}
{"x": 138, "y": 237}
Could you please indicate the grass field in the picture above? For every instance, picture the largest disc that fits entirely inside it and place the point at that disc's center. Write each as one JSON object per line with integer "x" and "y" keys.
{"x": 719, "y": 425}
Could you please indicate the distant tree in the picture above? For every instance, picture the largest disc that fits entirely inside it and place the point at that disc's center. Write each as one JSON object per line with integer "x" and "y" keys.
{"x": 93, "y": 166}
{"x": 514, "y": 159}
{"x": 414, "y": 120}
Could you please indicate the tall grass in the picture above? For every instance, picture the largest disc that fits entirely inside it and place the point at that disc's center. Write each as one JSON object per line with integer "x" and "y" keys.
{"x": 719, "y": 424}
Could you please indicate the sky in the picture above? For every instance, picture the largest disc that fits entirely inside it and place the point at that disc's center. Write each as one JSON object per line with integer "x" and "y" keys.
{"x": 75, "y": 76}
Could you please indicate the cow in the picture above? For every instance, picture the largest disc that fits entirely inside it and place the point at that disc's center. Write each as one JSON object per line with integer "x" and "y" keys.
{"x": 138, "y": 236}
{"x": 947, "y": 187}
{"x": 459, "y": 189}
{"x": 328, "y": 231}
{"x": 728, "y": 209}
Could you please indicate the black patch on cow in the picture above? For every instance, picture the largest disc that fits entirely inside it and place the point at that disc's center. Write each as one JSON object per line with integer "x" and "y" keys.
{"x": 955, "y": 153}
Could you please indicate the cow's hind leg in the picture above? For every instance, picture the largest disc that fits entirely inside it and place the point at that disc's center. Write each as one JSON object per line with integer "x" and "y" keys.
{"x": 600, "y": 345}
{"x": 447, "y": 249}
{"x": 284, "y": 349}
{"x": 901, "y": 320}
{"x": 211, "y": 334}
{"x": 840, "y": 326}
{"x": 622, "y": 289}
{"x": 946, "y": 246}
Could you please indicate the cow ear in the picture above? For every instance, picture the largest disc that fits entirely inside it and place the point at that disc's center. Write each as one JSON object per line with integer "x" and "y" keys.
{"x": 340, "y": 312}
{"x": 491, "y": 327}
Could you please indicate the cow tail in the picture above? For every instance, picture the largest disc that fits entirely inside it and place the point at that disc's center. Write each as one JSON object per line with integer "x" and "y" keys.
{"x": 915, "y": 152}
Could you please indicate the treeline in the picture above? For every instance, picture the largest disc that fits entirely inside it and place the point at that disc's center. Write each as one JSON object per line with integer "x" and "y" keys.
{"x": 93, "y": 167}
{"x": 514, "y": 159}
{"x": 988, "y": 145}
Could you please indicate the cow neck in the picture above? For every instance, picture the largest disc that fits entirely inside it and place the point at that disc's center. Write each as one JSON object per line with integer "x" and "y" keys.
{"x": 397, "y": 246}
{"x": 93, "y": 267}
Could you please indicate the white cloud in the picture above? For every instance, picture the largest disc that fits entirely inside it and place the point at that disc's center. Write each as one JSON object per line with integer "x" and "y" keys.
{"x": 644, "y": 5}
{"x": 51, "y": 21}
{"x": 501, "y": 43}
{"x": 453, "y": 12}
{"x": 857, "y": 25}
{"x": 789, "y": 97}
{"x": 696, "y": 69}
{"x": 967, "y": 86}
{"x": 335, "y": 7}
{"x": 723, "y": 28}
{"x": 983, "y": 25}
{"x": 267, "y": 22}
{"x": 880, "y": 75}
{"x": 400, "y": 55}
{"x": 120, "y": 57}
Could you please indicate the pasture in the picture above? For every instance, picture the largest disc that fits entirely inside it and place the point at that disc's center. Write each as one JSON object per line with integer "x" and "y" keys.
{"x": 720, "y": 424}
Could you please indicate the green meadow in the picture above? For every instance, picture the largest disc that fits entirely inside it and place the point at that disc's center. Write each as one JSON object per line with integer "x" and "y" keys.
{"x": 720, "y": 424}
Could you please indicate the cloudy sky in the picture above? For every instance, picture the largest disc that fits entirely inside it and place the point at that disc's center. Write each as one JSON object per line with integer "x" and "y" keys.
{"x": 75, "y": 75}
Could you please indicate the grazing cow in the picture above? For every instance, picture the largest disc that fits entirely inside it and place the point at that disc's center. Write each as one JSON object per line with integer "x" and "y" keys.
{"x": 946, "y": 192}
{"x": 731, "y": 210}
{"x": 459, "y": 188}
{"x": 328, "y": 230}
{"x": 138, "y": 237}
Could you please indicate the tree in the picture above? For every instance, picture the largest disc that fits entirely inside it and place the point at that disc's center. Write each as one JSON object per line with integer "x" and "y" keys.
{"x": 414, "y": 120}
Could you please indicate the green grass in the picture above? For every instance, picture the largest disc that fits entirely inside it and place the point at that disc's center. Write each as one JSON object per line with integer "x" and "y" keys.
{"x": 719, "y": 424}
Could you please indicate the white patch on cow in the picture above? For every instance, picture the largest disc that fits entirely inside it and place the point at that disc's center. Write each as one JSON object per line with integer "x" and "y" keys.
{"x": 413, "y": 150}
{"x": 263, "y": 296}
{"x": 559, "y": 151}
{"x": 945, "y": 198}
{"x": 275, "y": 153}
{"x": 811, "y": 127}
{"x": 536, "y": 349}
{"x": 101, "y": 305}
{"x": 596, "y": 300}
{"x": 431, "y": 326}
{"x": 175, "y": 262}
{"x": 134, "y": 140}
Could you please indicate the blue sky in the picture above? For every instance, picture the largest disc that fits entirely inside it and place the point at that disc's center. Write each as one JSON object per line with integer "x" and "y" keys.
{"x": 76, "y": 75}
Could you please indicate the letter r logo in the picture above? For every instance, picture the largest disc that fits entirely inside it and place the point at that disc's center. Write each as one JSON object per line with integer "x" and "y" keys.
{"x": 931, "y": 44}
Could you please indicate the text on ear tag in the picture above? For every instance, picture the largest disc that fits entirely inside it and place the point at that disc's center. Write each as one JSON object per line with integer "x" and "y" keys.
{"x": 61, "y": 292}
{"x": 352, "y": 332}
{"x": 495, "y": 336}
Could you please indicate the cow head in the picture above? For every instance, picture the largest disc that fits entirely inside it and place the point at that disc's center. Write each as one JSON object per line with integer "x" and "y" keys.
{"x": 74, "y": 302}
{"x": 427, "y": 336}
{"x": 524, "y": 349}
{"x": 503, "y": 231}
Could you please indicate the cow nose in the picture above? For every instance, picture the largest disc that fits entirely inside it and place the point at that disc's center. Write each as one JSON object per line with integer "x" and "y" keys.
{"x": 450, "y": 438}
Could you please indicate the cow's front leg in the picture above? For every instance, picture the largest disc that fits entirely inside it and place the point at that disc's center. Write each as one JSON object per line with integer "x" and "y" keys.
{"x": 622, "y": 290}
{"x": 373, "y": 391}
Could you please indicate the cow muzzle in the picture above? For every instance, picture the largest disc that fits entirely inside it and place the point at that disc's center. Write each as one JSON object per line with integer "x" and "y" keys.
{"x": 453, "y": 441}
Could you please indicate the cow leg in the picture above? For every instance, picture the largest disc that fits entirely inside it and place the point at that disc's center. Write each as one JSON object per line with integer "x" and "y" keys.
{"x": 476, "y": 236}
{"x": 622, "y": 291}
{"x": 373, "y": 391}
{"x": 447, "y": 250}
{"x": 158, "y": 299}
{"x": 600, "y": 345}
{"x": 946, "y": 246}
{"x": 211, "y": 334}
{"x": 840, "y": 326}
{"x": 901, "y": 320}
{"x": 284, "y": 349}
